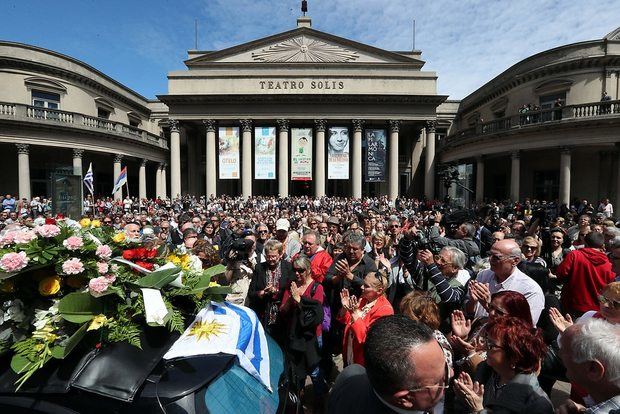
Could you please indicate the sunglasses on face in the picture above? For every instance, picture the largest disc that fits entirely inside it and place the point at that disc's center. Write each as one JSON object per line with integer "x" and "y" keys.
{"x": 614, "y": 304}
{"x": 299, "y": 270}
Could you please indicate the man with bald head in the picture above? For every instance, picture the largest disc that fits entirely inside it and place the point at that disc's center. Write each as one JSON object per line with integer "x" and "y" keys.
{"x": 504, "y": 257}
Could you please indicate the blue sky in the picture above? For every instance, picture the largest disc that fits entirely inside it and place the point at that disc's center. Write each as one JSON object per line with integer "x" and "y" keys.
{"x": 466, "y": 42}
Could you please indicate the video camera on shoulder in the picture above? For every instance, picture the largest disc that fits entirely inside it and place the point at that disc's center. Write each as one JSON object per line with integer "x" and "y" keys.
{"x": 236, "y": 248}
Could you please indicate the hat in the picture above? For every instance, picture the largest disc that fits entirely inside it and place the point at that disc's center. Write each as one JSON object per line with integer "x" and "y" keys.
{"x": 333, "y": 220}
{"x": 283, "y": 224}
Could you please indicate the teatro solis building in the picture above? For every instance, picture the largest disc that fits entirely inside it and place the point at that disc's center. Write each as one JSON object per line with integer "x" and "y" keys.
{"x": 300, "y": 112}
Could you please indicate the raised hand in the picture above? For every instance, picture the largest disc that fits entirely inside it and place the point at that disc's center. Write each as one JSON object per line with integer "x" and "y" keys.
{"x": 560, "y": 322}
{"x": 296, "y": 292}
{"x": 354, "y": 303}
{"x": 471, "y": 392}
{"x": 480, "y": 292}
{"x": 461, "y": 327}
{"x": 461, "y": 346}
{"x": 345, "y": 299}
{"x": 426, "y": 257}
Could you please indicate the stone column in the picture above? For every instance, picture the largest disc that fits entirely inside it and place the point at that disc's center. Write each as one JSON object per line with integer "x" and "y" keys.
{"x": 77, "y": 161}
{"x": 283, "y": 127}
{"x": 175, "y": 158}
{"x": 393, "y": 162}
{"x": 118, "y": 195}
{"x": 142, "y": 179}
{"x": 515, "y": 175}
{"x": 429, "y": 164}
{"x": 565, "y": 159}
{"x": 356, "y": 157}
{"x": 319, "y": 187}
{"x": 211, "y": 170}
{"x": 479, "y": 179}
{"x": 158, "y": 192}
{"x": 23, "y": 170}
{"x": 164, "y": 184}
{"x": 246, "y": 157}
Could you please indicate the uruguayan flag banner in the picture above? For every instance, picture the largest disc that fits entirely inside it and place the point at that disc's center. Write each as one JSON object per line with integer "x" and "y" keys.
{"x": 229, "y": 329}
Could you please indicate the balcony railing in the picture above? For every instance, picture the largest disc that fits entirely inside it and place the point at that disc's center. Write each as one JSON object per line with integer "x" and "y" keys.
{"x": 73, "y": 119}
{"x": 600, "y": 109}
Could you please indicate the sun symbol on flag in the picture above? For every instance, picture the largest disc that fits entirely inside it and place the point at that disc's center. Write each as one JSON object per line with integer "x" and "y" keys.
{"x": 205, "y": 329}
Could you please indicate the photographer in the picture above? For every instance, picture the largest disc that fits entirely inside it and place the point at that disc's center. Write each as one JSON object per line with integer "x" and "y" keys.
{"x": 463, "y": 238}
{"x": 238, "y": 272}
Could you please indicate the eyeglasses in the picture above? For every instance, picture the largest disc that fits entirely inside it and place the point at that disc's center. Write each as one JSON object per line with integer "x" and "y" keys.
{"x": 498, "y": 257}
{"x": 525, "y": 247}
{"x": 263, "y": 231}
{"x": 614, "y": 304}
{"x": 445, "y": 384}
{"x": 299, "y": 270}
{"x": 394, "y": 226}
{"x": 307, "y": 243}
{"x": 441, "y": 260}
{"x": 489, "y": 346}
{"x": 497, "y": 310}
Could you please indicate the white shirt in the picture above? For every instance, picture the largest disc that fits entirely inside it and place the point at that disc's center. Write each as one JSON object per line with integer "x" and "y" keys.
{"x": 517, "y": 282}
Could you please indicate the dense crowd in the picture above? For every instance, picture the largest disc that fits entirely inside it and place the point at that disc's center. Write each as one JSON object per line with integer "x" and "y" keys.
{"x": 427, "y": 309}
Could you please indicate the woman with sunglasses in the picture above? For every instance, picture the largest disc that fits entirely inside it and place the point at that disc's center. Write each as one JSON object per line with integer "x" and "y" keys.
{"x": 531, "y": 248}
{"x": 358, "y": 315}
{"x": 506, "y": 382}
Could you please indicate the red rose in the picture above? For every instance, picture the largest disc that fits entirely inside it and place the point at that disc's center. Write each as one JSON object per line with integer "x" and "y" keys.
{"x": 140, "y": 253}
{"x": 146, "y": 265}
{"x": 150, "y": 254}
{"x": 128, "y": 254}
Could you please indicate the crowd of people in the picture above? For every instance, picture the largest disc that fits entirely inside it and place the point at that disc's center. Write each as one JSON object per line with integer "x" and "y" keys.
{"x": 408, "y": 305}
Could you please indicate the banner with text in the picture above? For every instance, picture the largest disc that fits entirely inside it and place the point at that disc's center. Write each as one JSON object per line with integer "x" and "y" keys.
{"x": 375, "y": 155}
{"x": 265, "y": 153}
{"x": 229, "y": 153}
{"x": 338, "y": 153}
{"x": 301, "y": 154}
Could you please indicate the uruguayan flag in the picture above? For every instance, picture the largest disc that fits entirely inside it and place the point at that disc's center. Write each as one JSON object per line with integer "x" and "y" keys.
{"x": 229, "y": 329}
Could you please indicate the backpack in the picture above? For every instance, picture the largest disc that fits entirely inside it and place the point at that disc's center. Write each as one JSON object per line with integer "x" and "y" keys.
{"x": 327, "y": 313}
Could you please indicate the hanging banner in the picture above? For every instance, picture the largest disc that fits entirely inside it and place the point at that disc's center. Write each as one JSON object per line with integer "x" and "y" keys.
{"x": 229, "y": 153}
{"x": 265, "y": 153}
{"x": 375, "y": 155}
{"x": 338, "y": 153}
{"x": 301, "y": 154}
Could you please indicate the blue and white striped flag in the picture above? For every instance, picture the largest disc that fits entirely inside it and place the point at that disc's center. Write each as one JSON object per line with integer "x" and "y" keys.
{"x": 89, "y": 179}
{"x": 229, "y": 329}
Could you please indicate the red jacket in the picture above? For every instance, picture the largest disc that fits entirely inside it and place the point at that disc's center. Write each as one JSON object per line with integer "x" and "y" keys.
{"x": 359, "y": 328}
{"x": 584, "y": 272}
{"x": 319, "y": 263}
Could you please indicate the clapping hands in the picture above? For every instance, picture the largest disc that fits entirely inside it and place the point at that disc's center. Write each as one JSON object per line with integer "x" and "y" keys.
{"x": 471, "y": 392}
{"x": 461, "y": 327}
{"x": 349, "y": 302}
{"x": 480, "y": 292}
{"x": 560, "y": 322}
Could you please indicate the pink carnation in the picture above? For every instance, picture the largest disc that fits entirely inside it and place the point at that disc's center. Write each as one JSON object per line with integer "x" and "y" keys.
{"x": 25, "y": 236}
{"x": 104, "y": 252}
{"x": 73, "y": 243}
{"x": 102, "y": 267}
{"x": 98, "y": 285}
{"x": 13, "y": 262}
{"x": 8, "y": 238}
{"x": 48, "y": 230}
{"x": 111, "y": 278}
{"x": 73, "y": 267}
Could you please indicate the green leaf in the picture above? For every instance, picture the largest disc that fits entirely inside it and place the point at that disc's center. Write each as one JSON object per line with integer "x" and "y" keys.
{"x": 159, "y": 278}
{"x": 61, "y": 352}
{"x": 79, "y": 307}
{"x": 214, "y": 270}
{"x": 19, "y": 363}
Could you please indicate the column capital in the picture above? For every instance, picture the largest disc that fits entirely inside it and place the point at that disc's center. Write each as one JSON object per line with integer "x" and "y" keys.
{"x": 162, "y": 165}
{"x": 358, "y": 125}
{"x": 78, "y": 153}
{"x": 320, "y": 125}
{"x": 515, "y": 155}
{"x": 143, "y": 163}
{"x": 174, "y": 125}
{"x": 23, "y": 148}
{"x": 565, "y": 150}
{"x": 283, "y": 125}
{"x": 394, "y": 125}
{"x": 210, "y": 124}
{"x": 431, "y": 125}
{"x": 118, "y": 158}
{"x": 246, "y": 125}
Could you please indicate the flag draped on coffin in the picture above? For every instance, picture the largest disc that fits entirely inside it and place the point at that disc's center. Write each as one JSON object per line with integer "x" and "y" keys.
{"x": 229, "y": 329}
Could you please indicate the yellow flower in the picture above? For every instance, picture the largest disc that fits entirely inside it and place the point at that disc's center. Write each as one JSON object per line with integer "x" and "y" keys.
{"x": 119, "y": 237}
{"x": 8, "y": 286}
{"x": 97, "y": 322}
{"x": 49, "y": 286}
{"x": 95, "y": 223}
{"x": 85, "y": 222}
{"x": 213, "y": 284}
{"x": 174, "y": 259}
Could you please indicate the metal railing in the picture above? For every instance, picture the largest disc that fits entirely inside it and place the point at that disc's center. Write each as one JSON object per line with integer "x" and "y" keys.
{"x": 525, "y": 119}
{"x": 74, "y": 119}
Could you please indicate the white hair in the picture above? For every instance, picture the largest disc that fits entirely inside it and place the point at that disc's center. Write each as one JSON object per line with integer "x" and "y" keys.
{"x": 598, "y": 340}
{"x": 458, "y": 258}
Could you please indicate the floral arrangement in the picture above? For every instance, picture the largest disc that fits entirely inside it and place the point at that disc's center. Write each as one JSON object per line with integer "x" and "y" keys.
{"x": 64, "y": 284}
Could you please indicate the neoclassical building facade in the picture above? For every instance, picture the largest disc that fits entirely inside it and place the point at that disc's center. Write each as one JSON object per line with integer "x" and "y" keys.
{"x": 548, "y": 127}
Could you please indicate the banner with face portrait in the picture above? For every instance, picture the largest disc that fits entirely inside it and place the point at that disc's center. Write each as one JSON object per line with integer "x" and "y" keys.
{"x": 375, "y": 155}
{"x": 265, "y": 153}
{"x": 338, "y": 153}
{"x": 301, "y": 154}
{"x": 228, "y": 153}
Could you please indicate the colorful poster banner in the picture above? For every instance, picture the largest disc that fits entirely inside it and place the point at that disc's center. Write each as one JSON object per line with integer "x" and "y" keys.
{"x": 301, "y": 154}
{"x": 375, "y": 155}
{"x": 338, "y": 153}
{"x": 265, "y": 153}
{"x": 229, "y": 153}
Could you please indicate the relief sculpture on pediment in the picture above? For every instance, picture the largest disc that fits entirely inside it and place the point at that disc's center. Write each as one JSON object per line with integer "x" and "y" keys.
{"x": 303, "y": 49}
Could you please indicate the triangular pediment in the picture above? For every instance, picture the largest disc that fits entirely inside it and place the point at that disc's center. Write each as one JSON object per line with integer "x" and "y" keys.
{"x": 302, "y": 46}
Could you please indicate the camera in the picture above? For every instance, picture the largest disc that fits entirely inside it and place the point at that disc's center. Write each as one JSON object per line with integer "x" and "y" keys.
{"x": 421, "y": 241}
{"x": 236, "y": 248}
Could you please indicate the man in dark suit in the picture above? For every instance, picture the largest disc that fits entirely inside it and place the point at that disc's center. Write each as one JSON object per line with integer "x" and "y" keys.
{"x": 405, "y": 371}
